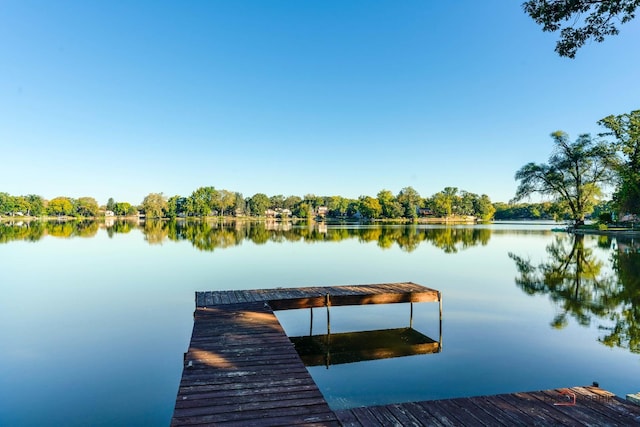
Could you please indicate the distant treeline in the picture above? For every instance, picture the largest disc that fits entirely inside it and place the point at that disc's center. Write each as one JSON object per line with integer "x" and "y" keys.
{"x": 209, "y": 201}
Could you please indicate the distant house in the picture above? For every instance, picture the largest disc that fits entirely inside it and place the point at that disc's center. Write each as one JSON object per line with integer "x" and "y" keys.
{"x": 270, "y": 213}
{"x": 109, "y": 213}
{"x": 322, "y": 211}
{"x": 285, "y": 213}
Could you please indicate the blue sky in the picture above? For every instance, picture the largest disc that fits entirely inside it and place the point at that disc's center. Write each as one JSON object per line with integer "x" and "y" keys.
{"x": 120, "y": 99}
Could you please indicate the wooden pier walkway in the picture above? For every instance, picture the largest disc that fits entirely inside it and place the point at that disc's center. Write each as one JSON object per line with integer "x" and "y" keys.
{"x": 575, "y": 406}
{"x": 242, "y": 370}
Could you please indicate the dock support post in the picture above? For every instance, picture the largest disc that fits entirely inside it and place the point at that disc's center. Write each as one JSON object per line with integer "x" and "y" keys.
{"x": 411, "y": 316}
{"x": 327, "y": 303}
{"x": 311, "y": 322}
{"x": 440, "y": 304}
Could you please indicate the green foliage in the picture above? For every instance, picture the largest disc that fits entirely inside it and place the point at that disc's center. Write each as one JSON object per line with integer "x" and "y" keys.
{"x": 625, "y": 128}
{"x": 291, "y": 202}
{"x": 391, "y": 207}
{"x": 303, "y": 210}
{"x": 369, "y": 207}
{"x": 60, "y": 206}
{"x": 598, "y": 19}
{"x": 605, "y": 218}
{"x": 239, "y": 204}
{"x": 338, "y": 206}
{"x": 87, "y": 207}
{"x": 441, "y": 204}
{"x": 410, "y": 201}
{"x": 6, "y": 203}
{"x": 226, "y": 202}
{"x": 36, "y": 205}
{"x": 206, "y": 201}
{"x": 202, "y": 201}
{"x": 484, "y": 208}
{"x": 258, "y": 204}
{"x": 154, "y": 205}
{"x": 573, "y": 175}
{"x": 124, "y": 209}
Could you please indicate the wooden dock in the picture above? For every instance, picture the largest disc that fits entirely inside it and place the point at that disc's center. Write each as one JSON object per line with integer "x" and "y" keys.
{"x": 242, "y": 370}
{"x": 575, "y": 406}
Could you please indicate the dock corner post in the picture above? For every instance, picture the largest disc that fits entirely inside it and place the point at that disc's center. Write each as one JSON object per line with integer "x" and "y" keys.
{"x": 327, "y": 303}
{"x": 440, "y": 304}
{"x": 311, "y": 322}
{"x": 411, "y": 316}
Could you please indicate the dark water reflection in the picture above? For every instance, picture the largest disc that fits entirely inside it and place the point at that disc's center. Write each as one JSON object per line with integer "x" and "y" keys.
{"x": 208, "y": 236}
{"x": 589, "y": 289}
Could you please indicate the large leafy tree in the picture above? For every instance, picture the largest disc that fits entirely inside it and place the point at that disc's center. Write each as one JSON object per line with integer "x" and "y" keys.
{"x": 176, "y": 205}
{"x": 483, "y": 208}
{"x": 124, "y": 208}
{"x": 87, "y": 206}
{"x": 574, "y": 174}
{"x": 625, "y": 128}
{"x": 410, "y": 200}
{"x": 369, "y": 207}
{"x": 154, "y": 205}
{"x": 337, "y": 206}
{"x": 6, "y": 203}
{"x": 444, "y": 203}
{"x": 226, "y": 201}
{"x": 391, "y": 208}
{"x": 258, "y": 204}
{"x": 36, "y": 204}
{"x": 580, "y": 20}
{"x": 60, "y": 206}
{"x": 202, "y": 201}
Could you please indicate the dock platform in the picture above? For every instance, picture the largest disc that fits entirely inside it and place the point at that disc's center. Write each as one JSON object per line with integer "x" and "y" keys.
{"x": 241, "y": 369}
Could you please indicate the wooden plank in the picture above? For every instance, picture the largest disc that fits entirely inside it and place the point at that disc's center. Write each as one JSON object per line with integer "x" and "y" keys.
{"x": 585, "y": 410}
{"x": 540, "y": 413}
{"x": 420, "y": 410}
{"x": 405, "y": 417}
{"x": 241, "y": 368}
{"x": 502, "y": 411}
{"x": 468, "y": 414}
{"x": 386, "y": 293}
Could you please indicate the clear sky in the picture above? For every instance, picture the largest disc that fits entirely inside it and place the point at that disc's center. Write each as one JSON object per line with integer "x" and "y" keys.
{"x": 124, "y": 98}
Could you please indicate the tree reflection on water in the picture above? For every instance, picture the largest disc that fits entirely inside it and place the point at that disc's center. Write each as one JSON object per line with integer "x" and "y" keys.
{"x": 588, "y": 289}
{"x": 209, "y": 236}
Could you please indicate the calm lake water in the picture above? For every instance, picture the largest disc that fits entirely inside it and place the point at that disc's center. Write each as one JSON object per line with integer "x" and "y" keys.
{"x": 94, "y": 319}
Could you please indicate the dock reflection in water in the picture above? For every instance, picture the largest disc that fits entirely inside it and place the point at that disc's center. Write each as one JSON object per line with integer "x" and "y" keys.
{"x": 359, "y": 346}
{"x": 351, "y": 347}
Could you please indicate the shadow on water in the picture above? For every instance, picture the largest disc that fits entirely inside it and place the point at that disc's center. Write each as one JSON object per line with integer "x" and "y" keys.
{"x": 209, "y": 236}
{"x": 583, "y": 288}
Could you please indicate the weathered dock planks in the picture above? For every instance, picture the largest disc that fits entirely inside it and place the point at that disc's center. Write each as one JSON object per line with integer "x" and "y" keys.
{"x": 592, "y": 407}
{"x": 242, "y": 370}
{"x": 310, "y": 297}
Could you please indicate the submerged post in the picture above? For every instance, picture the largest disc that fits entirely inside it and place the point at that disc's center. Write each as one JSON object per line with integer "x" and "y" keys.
{"x": 311, "y": 322}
